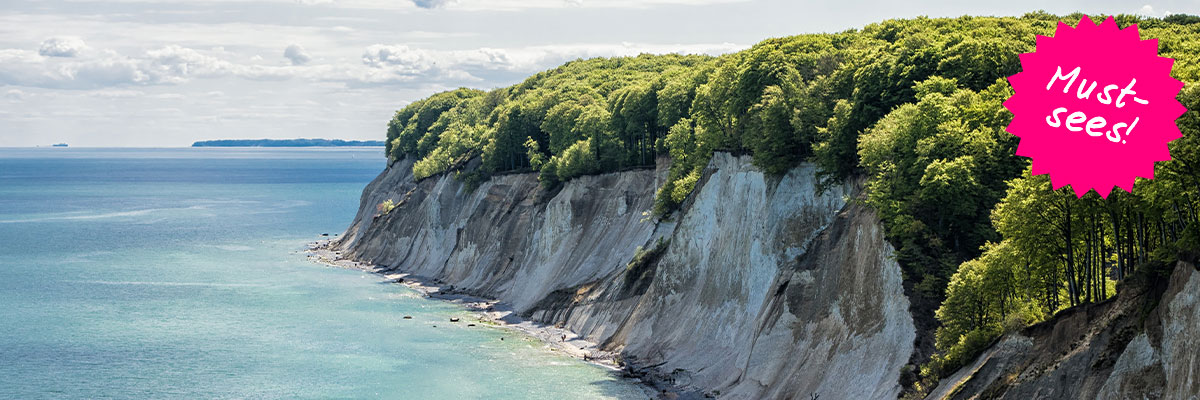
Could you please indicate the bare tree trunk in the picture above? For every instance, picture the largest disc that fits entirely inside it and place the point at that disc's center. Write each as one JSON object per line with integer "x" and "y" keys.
{"x": 1072, "y": 284}
{"x": 1116, "y": 226}
{"x": 1141, "y": 229}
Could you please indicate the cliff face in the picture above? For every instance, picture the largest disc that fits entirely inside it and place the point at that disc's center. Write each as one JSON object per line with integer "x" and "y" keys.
{"x": 759, "y": 288}
{"x": 1142, "y": 344}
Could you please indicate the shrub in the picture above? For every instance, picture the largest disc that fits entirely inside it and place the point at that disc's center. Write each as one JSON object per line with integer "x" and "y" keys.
{"x": 385, "y": 207}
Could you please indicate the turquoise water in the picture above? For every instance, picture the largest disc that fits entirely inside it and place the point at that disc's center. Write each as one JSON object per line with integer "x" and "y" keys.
{"x": 177, "y": 273}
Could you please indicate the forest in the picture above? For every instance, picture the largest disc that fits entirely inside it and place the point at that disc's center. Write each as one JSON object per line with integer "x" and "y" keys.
{"x": 914, "y": 106}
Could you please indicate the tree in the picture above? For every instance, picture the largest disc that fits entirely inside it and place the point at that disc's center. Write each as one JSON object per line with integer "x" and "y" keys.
{"x": 559, "y": 125}
{"x": 635, "y": 119}
{"x": 579, "y": 159}
{"x": 594, "y": 123}
{"x": 836, "y": 146}
{"x": 770, "y": 135}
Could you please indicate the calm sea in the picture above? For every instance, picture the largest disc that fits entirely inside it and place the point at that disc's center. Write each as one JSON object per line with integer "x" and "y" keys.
{"x": 177, "y": 273}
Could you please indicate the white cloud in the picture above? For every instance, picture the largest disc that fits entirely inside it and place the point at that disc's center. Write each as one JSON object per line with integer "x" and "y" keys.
{"x": 378, "y": 64}
{"x": 512, "y": 5}
{"x": 410, "y": 5}
{"x": 116, "y": 93}
{"x": 173, "y": 64}
{"x": 122, "y": 74}
{"x": 536, "y": 58}
{"x": 1146, "y": 10}
{"x": 110, "y": 70}
{"x": 23, "y": 68}
{"x": 167, "y": 65}
{"x": 296, "y": 54}
{"x": 398, "y": 56}
{"x": 434, "y": 3}
{"x": 62, "y": 47}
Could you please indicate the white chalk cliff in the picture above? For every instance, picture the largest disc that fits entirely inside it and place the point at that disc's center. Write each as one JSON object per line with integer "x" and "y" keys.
{"x": 760, "y": 287}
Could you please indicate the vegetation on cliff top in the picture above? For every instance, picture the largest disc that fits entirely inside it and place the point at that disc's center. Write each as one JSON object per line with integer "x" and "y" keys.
{"x": 915, "y": 105}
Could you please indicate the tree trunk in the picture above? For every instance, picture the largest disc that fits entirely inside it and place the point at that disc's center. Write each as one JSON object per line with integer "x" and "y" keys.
{"x": 1072, "y": 284}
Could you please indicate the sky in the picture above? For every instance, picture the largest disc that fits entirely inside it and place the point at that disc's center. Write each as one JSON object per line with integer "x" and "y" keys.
{"x": 165, "y": 73}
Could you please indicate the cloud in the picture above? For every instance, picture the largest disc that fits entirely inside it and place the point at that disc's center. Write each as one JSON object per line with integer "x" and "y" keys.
{"x": 107, "y": 71}
{"x": 173, "y": 64}
{"x": 116, "y": 93}
{"x": 167, "y": 65}
{"x": 24, "y": 68}
{"x": 509, "y": 5}
{"x": 296, "y": 54}
{"x": 1147, "y": 11}
{"x": 398, "y": 56}
{"x": 14, "y": 94}
{"x": 536, "y": 58}
{"x": 431, "y": 4}
{"x": 62, "y": 47}
{"x": 399, "y": 63}
{"x": 378, "y": 64}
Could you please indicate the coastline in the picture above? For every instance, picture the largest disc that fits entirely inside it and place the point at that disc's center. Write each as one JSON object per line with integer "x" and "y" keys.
{"x": 488, "y": 311}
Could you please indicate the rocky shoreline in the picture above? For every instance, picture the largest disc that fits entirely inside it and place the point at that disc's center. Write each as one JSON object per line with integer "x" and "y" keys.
{"x": 502, "y": 315}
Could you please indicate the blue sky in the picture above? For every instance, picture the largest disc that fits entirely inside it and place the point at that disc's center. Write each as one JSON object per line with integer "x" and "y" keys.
{"x": 160, "y": 73}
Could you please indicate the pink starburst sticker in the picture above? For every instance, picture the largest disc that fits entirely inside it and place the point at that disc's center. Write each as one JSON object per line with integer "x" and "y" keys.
{"x": 1094, "y": 107}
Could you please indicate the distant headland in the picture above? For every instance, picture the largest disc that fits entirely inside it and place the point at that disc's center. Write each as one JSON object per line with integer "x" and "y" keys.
{"x": 286, "y": 143}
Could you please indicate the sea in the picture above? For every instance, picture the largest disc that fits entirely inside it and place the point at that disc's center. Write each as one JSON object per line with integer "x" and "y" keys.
{"x": 180, "y": 273}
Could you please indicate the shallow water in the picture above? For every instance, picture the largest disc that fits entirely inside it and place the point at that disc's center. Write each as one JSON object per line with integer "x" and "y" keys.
{"x": 177, "y": 273}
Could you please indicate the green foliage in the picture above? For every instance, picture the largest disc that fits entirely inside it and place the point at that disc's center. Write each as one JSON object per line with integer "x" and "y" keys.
{"x": 785, "y": 101}
{"x": 412, "y": 132}
{"x": 684, "y": 186}
{"x": 548, "y": 176}
{"x": 960, "y": 353}
{"x": 1182, "y": 19}
{"x": 937, "y": 166}
{"x": 613, "y": 100}
{"x": 1058, "y": 251}
{"x": 455, "y": 147}
{"x": 577, "y": 160}
{"x": 835, "y": 149}
{"x": 985, "y": 294}
{"x": 385, "y": 207}
{"x": 533, "y": 151}
{"x": 687, "y": 160}
{"x": 643, "y": 257}
{"x": 559, "y": 125}
{"x": 770, "y": 135}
